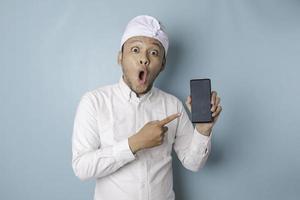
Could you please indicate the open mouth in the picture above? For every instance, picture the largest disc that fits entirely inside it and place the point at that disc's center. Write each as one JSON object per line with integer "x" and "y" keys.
{"x": 142, "y": 77}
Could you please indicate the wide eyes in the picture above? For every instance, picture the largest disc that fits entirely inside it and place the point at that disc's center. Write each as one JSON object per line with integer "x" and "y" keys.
{"x": 135, "y": 49}
{"x": 154, "y": 53}
{"x": 151, "y": 52}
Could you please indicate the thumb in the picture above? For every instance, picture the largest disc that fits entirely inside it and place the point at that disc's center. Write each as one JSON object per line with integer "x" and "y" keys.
{"x": 188, "y": 103}
{"x": 165, "y": 129}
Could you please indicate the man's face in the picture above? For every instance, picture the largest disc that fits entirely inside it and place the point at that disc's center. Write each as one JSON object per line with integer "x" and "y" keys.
{"x": 142, "y": 59}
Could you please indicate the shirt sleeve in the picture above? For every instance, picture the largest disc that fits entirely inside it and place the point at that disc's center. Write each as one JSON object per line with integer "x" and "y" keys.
{"x": 191, "y": 147}
{"x": 90, "y": 160}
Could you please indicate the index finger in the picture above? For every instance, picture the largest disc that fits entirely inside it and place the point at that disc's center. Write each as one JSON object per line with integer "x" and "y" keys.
{"x": 213, "y": 97}
{"x": 168, "y": 119}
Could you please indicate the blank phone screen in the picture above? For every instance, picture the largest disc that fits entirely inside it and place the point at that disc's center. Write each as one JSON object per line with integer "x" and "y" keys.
{"x": 201, "y": 98}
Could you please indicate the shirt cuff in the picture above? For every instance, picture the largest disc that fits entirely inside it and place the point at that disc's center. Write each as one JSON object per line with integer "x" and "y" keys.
{"x": 122, "y": 152}
{"x": 200, "y": 142}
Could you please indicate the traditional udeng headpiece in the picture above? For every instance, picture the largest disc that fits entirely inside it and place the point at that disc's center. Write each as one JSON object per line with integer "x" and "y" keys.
{"x": 148, "y": 26}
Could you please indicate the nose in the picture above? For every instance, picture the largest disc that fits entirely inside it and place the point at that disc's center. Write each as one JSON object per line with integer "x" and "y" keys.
{"x": 144, "y": 60}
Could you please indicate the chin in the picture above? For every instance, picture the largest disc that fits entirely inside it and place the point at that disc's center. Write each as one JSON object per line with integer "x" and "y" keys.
{"x": 143, "y": 89}
{"x": 140, "y": 90}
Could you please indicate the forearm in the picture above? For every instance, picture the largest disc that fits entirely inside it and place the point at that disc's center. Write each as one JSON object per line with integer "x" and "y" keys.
{"x": 101, "y": 162}
{"x": 193, "y": 154}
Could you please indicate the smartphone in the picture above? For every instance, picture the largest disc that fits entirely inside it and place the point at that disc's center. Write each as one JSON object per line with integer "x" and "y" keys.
{"x": 201, "y": 100}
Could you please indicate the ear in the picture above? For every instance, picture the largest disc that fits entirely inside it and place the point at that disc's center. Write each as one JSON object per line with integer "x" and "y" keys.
{"x": 163, "y": 64}
{"x": 120, "y": 57}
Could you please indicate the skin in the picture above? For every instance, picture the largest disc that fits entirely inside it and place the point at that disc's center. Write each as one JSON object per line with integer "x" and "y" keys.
{"x": 141, "y": 54}
{"x": 147, "y": 54}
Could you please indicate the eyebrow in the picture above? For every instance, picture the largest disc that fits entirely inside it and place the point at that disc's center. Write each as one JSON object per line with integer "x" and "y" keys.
{"x": 136, "y": 40}
{"x": 157, "y": 44}
{"x": 140, "y": 41}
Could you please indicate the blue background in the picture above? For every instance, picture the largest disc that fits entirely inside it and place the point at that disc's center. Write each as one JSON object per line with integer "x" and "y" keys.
{"x": 51, "y": 52}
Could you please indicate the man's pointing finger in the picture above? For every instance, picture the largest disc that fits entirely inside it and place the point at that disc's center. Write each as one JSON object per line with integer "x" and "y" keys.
{"x": 168, "y": 119}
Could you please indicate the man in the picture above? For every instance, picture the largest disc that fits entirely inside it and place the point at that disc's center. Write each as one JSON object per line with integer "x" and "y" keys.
{"x": 124, "y": 133}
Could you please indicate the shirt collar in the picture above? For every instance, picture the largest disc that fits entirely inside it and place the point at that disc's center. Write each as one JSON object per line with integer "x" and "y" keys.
{"x": 131, "y": 95}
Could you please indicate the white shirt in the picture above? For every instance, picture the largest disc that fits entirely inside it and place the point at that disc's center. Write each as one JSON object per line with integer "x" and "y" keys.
{"x": 106, "y": 118}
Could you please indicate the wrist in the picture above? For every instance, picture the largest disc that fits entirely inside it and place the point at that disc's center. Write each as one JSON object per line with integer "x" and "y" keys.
{"x": 134, "y": 144}
{"x": 204, "y": 131}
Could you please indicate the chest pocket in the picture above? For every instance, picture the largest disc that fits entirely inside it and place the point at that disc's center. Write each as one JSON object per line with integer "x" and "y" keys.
{"x": 115, "y": 131}
{"x": 123, "y": 127}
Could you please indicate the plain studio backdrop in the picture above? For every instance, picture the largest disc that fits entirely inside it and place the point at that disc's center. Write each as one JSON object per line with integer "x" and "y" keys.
{"x": 52, "y": 52}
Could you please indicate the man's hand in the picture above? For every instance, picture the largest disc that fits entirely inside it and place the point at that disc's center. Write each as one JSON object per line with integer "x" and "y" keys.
{"x": 205, "y": 128}
{"x": 151, "y": 135}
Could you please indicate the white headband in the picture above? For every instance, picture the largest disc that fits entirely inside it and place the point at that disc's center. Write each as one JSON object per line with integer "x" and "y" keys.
{"x": 148, "y": 26}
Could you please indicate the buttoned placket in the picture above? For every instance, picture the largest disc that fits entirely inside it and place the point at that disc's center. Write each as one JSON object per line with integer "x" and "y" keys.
{"x": 139, "y": 122}
{"x": 138, "y": 104}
